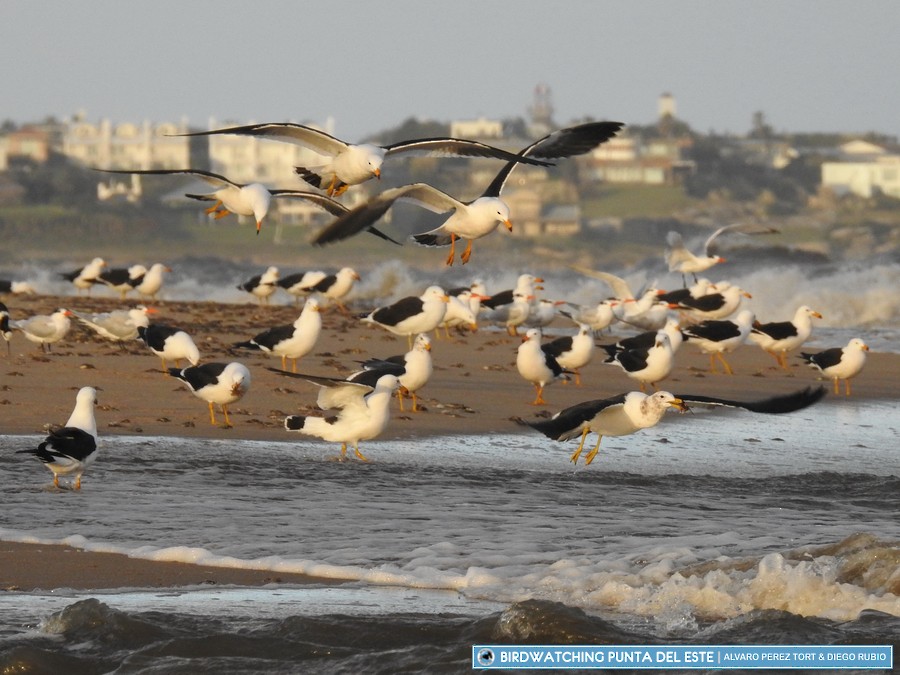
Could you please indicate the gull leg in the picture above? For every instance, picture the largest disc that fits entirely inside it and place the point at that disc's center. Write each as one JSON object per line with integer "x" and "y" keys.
{"x": 56, "y": 480}
{"x": 400, "y": 399}
{"x": 539, "y": 399}
{"x": 712, "y": 363}
{"x": 343, "y": 452}
{"x": 341, "y": 190}
{"x": 225, "y": 412}
{"x": 847, "y": 387}
{"x": 467, "y": 253}
{"x": 78, "y": 482}
{"x": 359, "y": 455}
{"x": 725, "y": 363}
{"x": 593, "y": 453}
{"x": 214, "y": 208}
{"x": 415, "y": 401}
{"x": 330, "y": 193}
{"x": 164, "y": 369}
{"x": 294, "y": 365}
{"x": 837, "y": 388}
{"x": 577, "y": 453}
{"x": 452, "y": 249}
{"x": 577, "y": 378}
{"x": 222, "y": 214}
{"x": 283, "y": 362}
{"x": 212, "y": 414}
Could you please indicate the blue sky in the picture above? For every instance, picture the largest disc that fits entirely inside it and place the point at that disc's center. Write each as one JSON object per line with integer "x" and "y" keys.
{"x": 809, "y": 65}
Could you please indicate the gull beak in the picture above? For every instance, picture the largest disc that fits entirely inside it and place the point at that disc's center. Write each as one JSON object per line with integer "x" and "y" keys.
{"x": 403, "y": 390}
{"x": 720, "y": 260}
{"x": 746, "y": 294}
{"x": 817, "y": 315}
{"x": 258, "y": 226}
{"x": 679, "y": 405}
{"x": 445, "y": 298}
{"x": 236, "y": 388}
{"x": 508, "y": 224}
{"x": 377, "y": 173}
{"x": 865, "y": 348}
{"x": 356, "y": 276}
{"x": 427, "y": 346}
{"x": 151, "y": 310}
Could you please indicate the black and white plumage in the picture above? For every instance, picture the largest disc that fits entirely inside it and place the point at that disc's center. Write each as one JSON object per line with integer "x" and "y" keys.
{"x": 626, "y": 414}
{"x": 5, "y": 328}
{"x": 122, "y": 279}
{"x": 536, "y": 365}
{"x": 84, "y": 278}
{"x": 293, "y": 341}
{"x": 647, "y": 365}
{"x": 411, "y": 315}
{"x": 334, "y": 287}
{"x": 647, "y": 339}
{"x": 152, "y": 281}
{"x": 300, "y": 284}
{"x": 511, "y": 307}
{"x": 479, "y": 217}
{"x": 222, "y": 383}
{"x": 700, "y": 288}
{"x": 413, "y": 369}
{"x": 680, "y": 259}
{"x": 69, "y": 450}
{"x": 719, "y": 304}
{"x": 351, "y": 164}
{"x": 169, "y": 343}
{"x": 252, "y": 199}
{"x": 572, "y": 352}
{"x": 721, "y": 336}
{"x": 839, "y": 363}
{"x": 9, "y": 286}
{"x": 777, "y": 338}
{"x": 363, "y": 411}
{"x": 44, "y": 329}
{"x": 120, "y": 325}
{"x": 261, "y": 286}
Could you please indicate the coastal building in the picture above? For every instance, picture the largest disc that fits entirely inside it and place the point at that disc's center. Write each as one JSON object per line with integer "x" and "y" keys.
{"x": 863, "y": 169}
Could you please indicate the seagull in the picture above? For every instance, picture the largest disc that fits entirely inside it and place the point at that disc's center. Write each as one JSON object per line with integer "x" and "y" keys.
{"x": 221, "y": 383}
{"x": 293, "y": 341}
{"x": 700, "y": 288}
{"x": 335, "y": 286}
{"x": 647, "y": 365}
{"x": 512, "y": 307}
{"x": 16, "y": 287}
{"x": 169, "y": 344}
{"x": 152, "y": 281}
{"x": 599, "y": 316}
{"x": 717, "y": 337}
{"x": 299, "y": 284}
{"x": 363, "y": 411}
{"x": 262, "y": 285}
{"x": 647, "y": 339}
{"x": 626, "y": 414}
{"x": 349, "y": 164}
{"x": 643, "y": 309}
{"x": 717, "y": 305}
{"x": 5, "y": 328}
{"x": 252, "y": 199}
{"x": 779, "y": 337}
{"x": 70, "y": 450}
{"x": 412, "y": 369}
{"x": 542, "y": 312}
{"x": 411, "y": 315}
{"x": 45, "y": 329}
{"x": 680, "y": 259}
{"x": 469, "y": 220}
{"x": 572, "y": 352}
{"x": 87, "y": 276}
{"x": 120, "y": 325}
{"x": 839, "y": 363}
{"x": 536, "y": 365}
{"x": 123, "y": 279}
{"x": 459, "y": 312}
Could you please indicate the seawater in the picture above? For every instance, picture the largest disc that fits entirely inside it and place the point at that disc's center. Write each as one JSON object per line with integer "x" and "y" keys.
{"x": 710, "y": 528}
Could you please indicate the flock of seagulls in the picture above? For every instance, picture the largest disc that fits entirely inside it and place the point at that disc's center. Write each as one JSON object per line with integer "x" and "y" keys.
{"x": 356, "y": 408}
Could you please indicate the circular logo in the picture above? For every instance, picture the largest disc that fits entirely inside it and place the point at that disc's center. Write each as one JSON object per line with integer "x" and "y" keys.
{"x": 485, "y": 657}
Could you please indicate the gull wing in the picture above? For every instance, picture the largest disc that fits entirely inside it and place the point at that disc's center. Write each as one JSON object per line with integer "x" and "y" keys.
{"x": 619, "y": 286}
{"x": 774, "y": 405}
{"x": 299, "y": 134}
{"x": 336, "y": 394}
{"x": 324, "y": 202}
{"x": 743, "y": 228}
{"x": 458, "y": 147}
{"x": 364, "y": 216}
{"x": 567, "y": 142}
{"x": 208, "y": 176}
{"x": 677, "y": 252}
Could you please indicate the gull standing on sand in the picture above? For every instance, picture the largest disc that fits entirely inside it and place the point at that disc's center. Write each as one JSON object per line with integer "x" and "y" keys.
{"x": 169, "y": 344}
{"x": 262, "y": 285}
{"x": 413, "y": 369}
{"x": 43, "y": 329}
{"x": 572, "y": 352}
{"x": 626, "y": 414}
{"x": 351, "y": 164}
{"x": 70, "y": 450}
{"x": 84, "y": 278}
{"x": 537, "y": 366}
{"x": 721, "y": 336}
{"x": 293, "y": 341}
{"x": 152, "y": 281}
{"x": 777, "y": 338}
{"x": 8, "y": 286}
{"x": 474, "y": 219}
{"x": 839, "y": 363}
{"x": 647, "y": 365}
{"x": 363, "y": 411}
{"x": 336, "y": 287}
{"x": 411, "y": 315}
{"x": 222, "y": 383}
{"x": 122, "y": 279}
{"x": 120, "y": 325}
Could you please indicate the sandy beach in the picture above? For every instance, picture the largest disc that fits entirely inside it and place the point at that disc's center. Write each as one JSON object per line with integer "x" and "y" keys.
{"x": 475, "y": 389}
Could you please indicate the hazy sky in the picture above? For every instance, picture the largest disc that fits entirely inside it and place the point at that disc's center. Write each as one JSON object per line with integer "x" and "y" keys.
{"x": 809, "y": 65}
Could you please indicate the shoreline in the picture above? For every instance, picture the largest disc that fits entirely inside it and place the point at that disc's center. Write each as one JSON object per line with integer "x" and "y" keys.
{"x": 475, "y": 389}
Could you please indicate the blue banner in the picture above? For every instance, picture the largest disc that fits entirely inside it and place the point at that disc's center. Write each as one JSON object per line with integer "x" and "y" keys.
{"x": 684, "y": 657}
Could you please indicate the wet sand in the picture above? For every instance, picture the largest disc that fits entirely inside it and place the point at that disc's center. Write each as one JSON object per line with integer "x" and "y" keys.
{"x": 475, "y": 389}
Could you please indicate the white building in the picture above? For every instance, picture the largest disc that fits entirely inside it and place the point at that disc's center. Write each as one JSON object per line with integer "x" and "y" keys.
{"x": 867, "y": 170}
{"x": 127, "y": 146}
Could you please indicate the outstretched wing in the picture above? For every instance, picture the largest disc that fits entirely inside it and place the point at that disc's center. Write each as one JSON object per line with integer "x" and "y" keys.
{"x": 570, "y": 422}
{"x": 364, "y": 216}
{"x": 213, "y": 179}
{"x": 567, "y": 142}
{"x": 619, "y": 286}
{"x": 458, "y": 147}
{"x": 335, "y": 393}
{"x": 743, "y": 228}
{"x": 299, "y": 134}
{"x": 774, "y": 405}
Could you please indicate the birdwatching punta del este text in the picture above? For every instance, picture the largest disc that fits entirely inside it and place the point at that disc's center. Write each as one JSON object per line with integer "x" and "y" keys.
{"x": 684, "y": 657}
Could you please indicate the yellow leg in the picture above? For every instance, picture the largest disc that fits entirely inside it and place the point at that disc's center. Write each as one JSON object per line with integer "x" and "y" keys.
{"x": 467, "y": 253}
{"x": 593, "y": 453}
{"x": 837, "y": 389}
{"x": 712, "y": 362}
{"x": 539, "y": 399}
{"x": 165, "y": 369}
{"x": 341, "y": 190}
{"x": 847, "y": 387}
{"x": 452, "y": 249}
{"x": 415, "y": 401}
{"x": 294, "y": 365}
{"x": 330, "y": 190}
{"x": 400, "y": 399}
{"x": 78, "y": 482}
{"x": 343, "y": 450}
{"x": 221, "y": 214}
{"x": 213, "y": 208}
{"x": 225, "y": 412}
{"x": 577, "y": 378}
{"x": 725, "y": 364}
{"x": 577, "y": 453}
{"x": 56, "y": 480}
{"x": 212, "y": 414}
{"x": 359, "y": 455}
